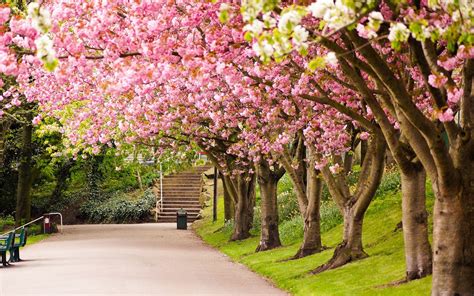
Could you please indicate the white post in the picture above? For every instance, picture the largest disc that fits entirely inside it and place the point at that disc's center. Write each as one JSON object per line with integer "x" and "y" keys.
{"x": 161, "y": 187}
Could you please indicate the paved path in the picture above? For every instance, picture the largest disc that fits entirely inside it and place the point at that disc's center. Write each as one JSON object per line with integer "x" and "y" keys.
{"x": 143, "y": 259}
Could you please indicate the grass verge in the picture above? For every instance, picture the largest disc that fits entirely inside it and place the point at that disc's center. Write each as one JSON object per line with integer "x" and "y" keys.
{"x": 382, "y": 241}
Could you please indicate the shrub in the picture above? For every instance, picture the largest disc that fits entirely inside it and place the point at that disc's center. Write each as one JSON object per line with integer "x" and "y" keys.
{"x": 291, "y": 231}
{"x": 119, "y": 209}
{"x": 288, "y": 207}
{"x": 330, "y": 215}
{"x": 7, "y": 222}
{"x": 390, "y": 183}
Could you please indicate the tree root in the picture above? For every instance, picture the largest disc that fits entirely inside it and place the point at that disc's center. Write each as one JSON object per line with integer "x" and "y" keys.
{"x": 342, "y": 255}
{"x": 267, "y": 245}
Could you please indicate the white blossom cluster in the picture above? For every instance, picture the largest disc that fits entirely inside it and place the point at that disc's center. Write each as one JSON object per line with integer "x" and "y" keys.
{"x": 277, "y": 34}
{"x": 41, "y": 21}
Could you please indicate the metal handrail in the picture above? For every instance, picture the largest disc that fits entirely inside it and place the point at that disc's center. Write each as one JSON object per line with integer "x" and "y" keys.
{"x": 24, "y": 225}
{"x": 35, "y": 220}
{"x": 159, "y": 203}
{"x": 161, "y": 187}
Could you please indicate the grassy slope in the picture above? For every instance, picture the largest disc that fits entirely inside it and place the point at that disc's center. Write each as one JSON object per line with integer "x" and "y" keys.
{"x": 365, "y": 277}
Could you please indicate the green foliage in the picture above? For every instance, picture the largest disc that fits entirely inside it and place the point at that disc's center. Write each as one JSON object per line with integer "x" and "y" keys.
{"x": 390, "y": 183}
{"x": 34, "y": 229}
{"x": 6, "y": 222}
{"x": 291, "y": 231}
{"x": 330, "y": 215}
{"x": 119, "y": 209}
{"x": 287, "y": 202}
{"x": 288, "y": 207}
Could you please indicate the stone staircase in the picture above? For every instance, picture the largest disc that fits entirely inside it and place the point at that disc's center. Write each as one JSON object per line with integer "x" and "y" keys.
{"x": 181, "y": 190}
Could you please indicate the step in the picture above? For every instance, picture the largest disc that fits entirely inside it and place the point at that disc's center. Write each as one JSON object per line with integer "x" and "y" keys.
{"x": 180, "y": 189}
{"x": 196, "y": 179}
{"x": 193, "y": 177}
{"x": 182, "y": 204}
{"x": 178, "y": 196}
{"x": 174, "y": 210}
{"x": 181, "y": 183}
{"x": 173, "y": 214}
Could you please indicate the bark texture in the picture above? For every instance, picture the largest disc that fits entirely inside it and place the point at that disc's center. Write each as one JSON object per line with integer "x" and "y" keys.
{"x": 25, "y": 179}
{"x": 228, "y": 202}
{"x": 242, "y": 190}
{"x": 312, "y": 220}
{"x": 418, "y": 256}
{"x": 453, "y": 234}
{"x": 268, "y": 182}
{"x": 308, "y": 192}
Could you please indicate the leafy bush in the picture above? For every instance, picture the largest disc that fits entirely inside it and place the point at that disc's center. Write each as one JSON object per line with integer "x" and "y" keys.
{"x": 390, "y": 183}
{"x": 34, "y": 229}
{"x": 288, "y": 207}
{"x": 291, "y": 230}
{"x": 6, "y": 222}
{"x": 330, "y": 215}
{"x": 119, "y": 209}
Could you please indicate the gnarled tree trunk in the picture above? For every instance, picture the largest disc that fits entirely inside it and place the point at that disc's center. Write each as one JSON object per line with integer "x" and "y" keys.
{"x": 312, "y": 220}
{"x": 242, "y": 189}
{"x": 415, "y": 224}
{"x": 308, "y": 191}
{"x": 453, "y": 233}
{"x": 268, "y": 182}
{"x": 228, "y": 202}
{"x": 353, "y": 206}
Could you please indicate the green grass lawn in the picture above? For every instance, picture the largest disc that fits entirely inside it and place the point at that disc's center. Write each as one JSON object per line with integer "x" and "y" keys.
{"x": 36, "y": 238}
{"x": 370, "y": 276}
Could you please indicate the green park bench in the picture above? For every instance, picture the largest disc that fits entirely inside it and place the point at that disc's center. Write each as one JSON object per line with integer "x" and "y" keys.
{"x": 20, "y": 241}
{"x": 6, "y": 245}
{"x": 12, "y": 243}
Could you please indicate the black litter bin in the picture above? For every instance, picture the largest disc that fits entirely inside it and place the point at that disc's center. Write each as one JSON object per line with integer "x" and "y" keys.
{"x": 182, "y": 219}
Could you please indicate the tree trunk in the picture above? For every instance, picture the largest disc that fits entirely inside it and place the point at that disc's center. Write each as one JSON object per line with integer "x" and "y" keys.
{"x": 23, "y": 197}
{"x": 228, "y": 202}
{"x": 139, "y": 179}
{"x": 418, "y": 255}
{"x": 63, "y": 174}
{"x": 453, "y": 235}
{"x": 353, "y": 206}
{"x": 268, "y": 181}
{"x": 244, "y": 206}
{"x": 363, "y": 151}
{"x": 348, "y": 161}
{"x": 312, "y": 221}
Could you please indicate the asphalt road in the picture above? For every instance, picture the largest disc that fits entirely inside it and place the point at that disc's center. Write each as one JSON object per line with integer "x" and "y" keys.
{"x": 140, "y": 259}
